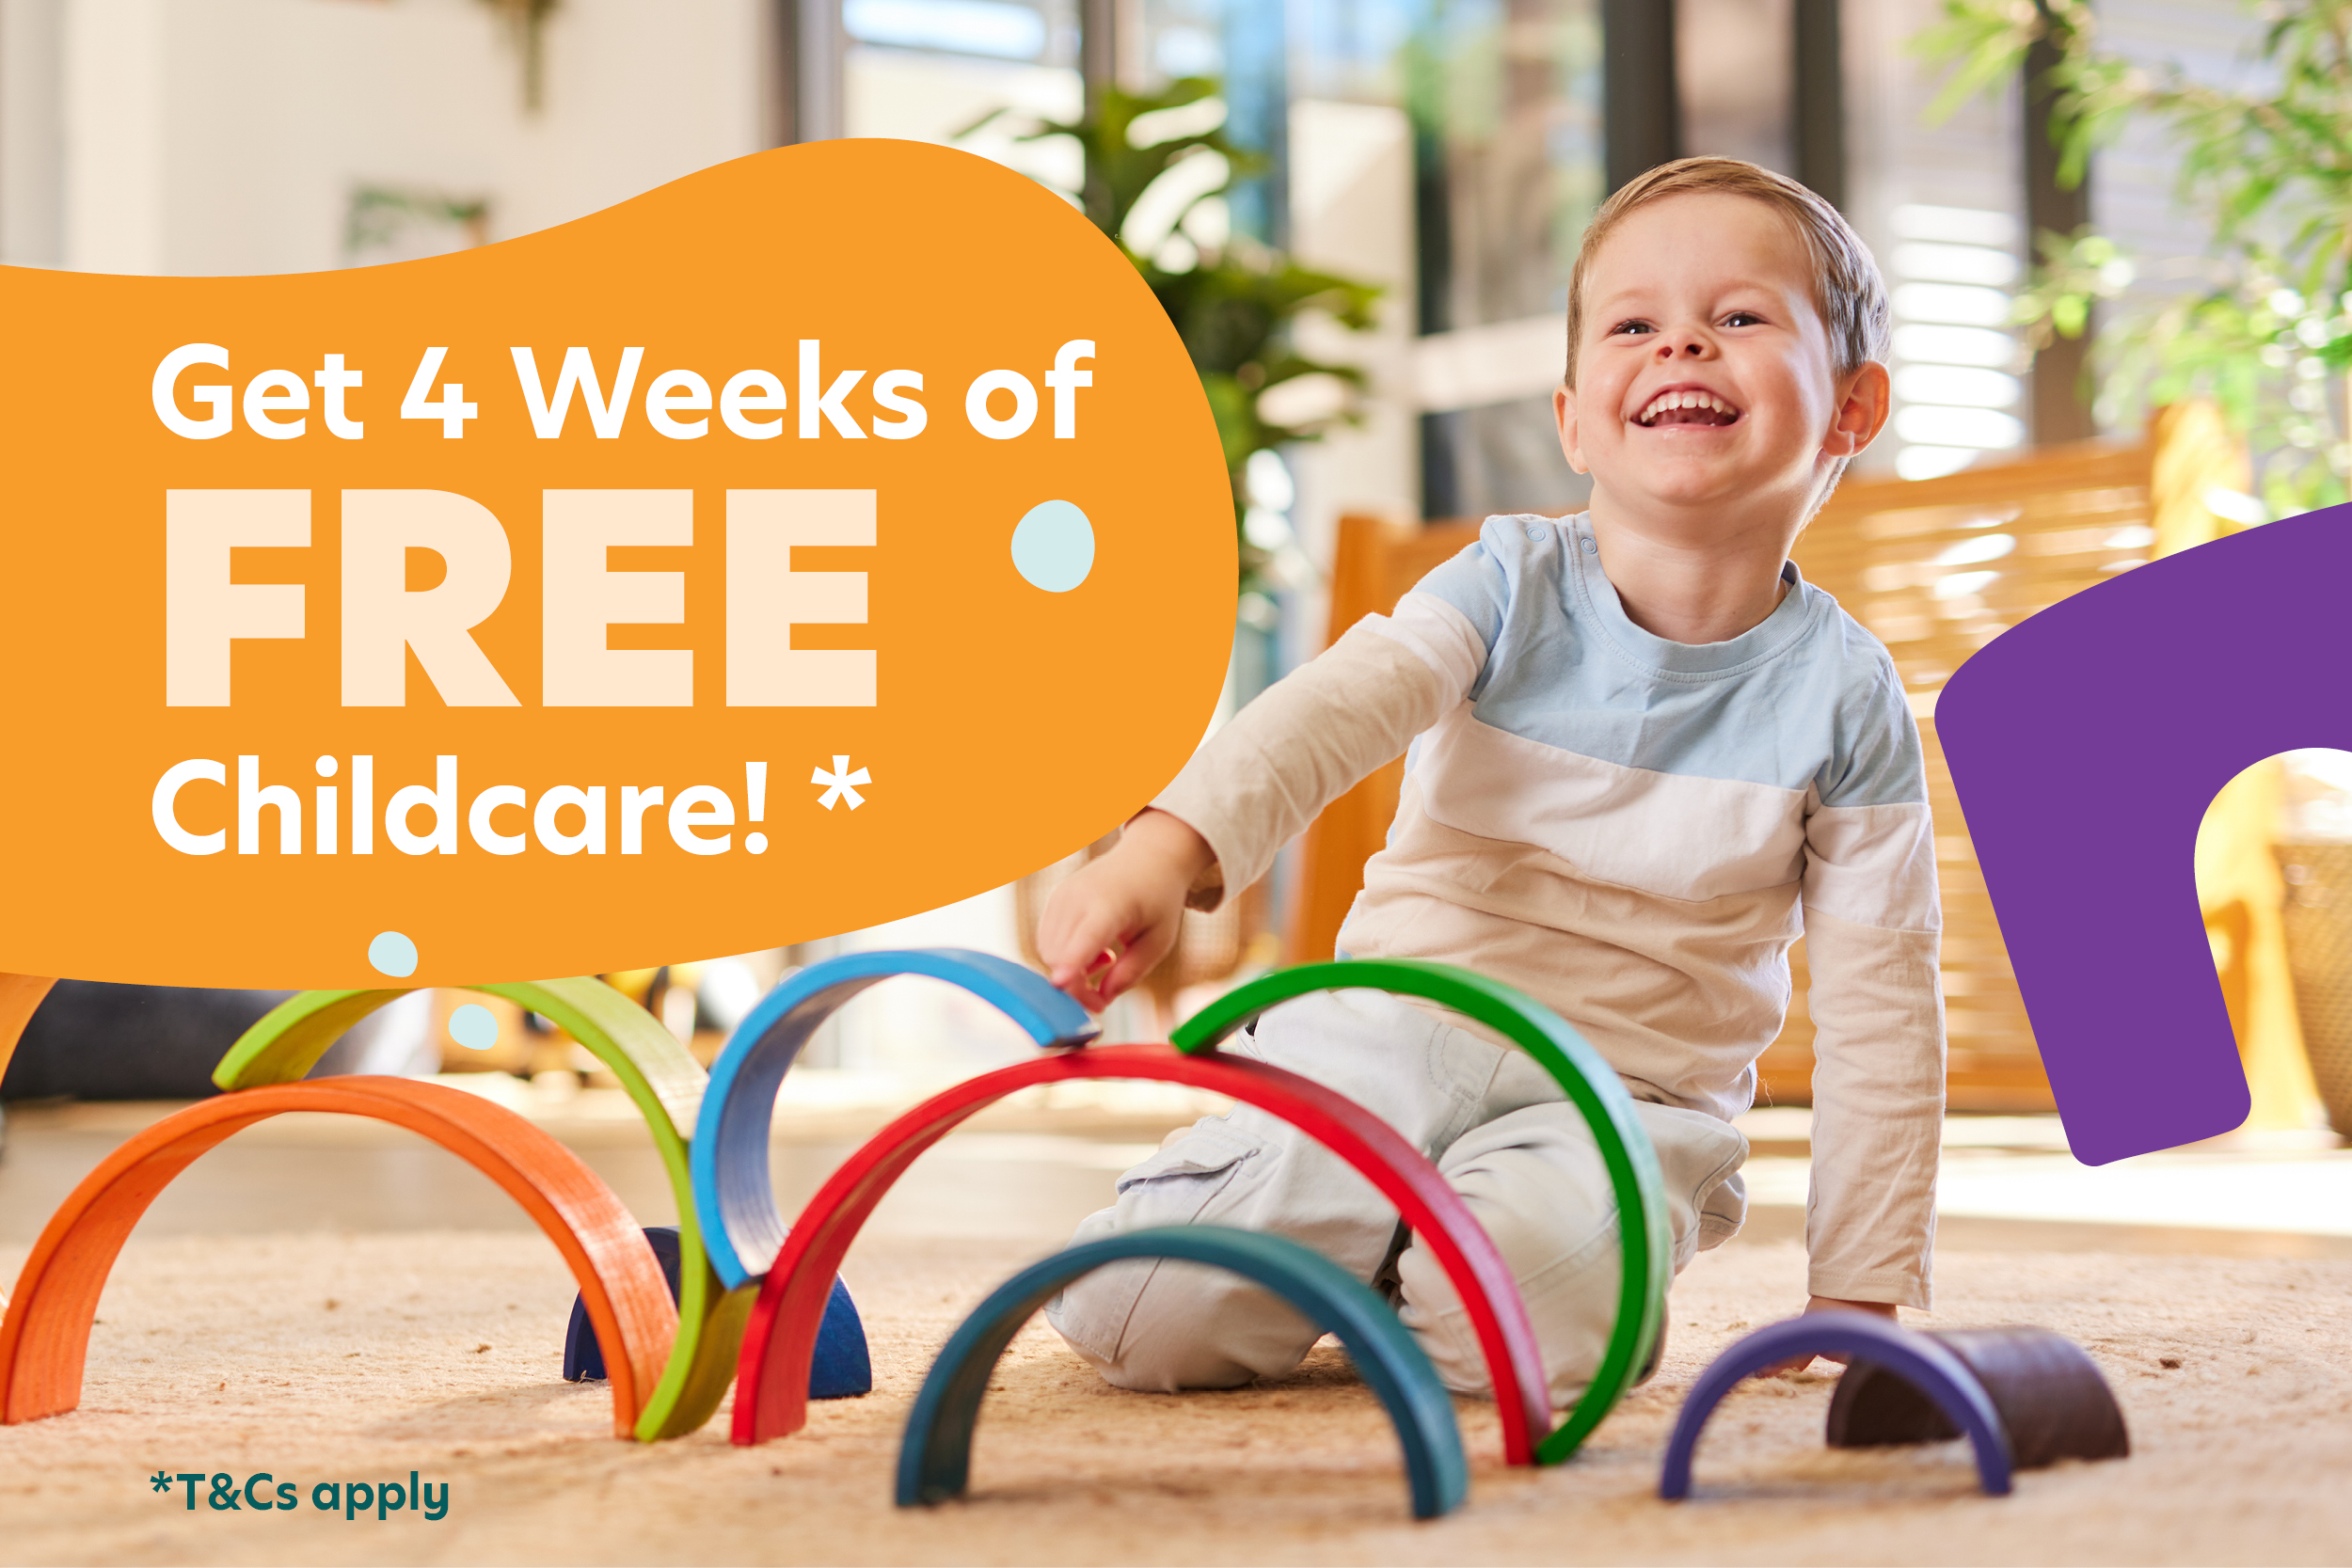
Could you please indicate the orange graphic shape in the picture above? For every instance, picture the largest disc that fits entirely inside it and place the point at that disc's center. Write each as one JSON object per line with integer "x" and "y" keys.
{"x": 21, "y": 996}
{"x": 600, "y": 667}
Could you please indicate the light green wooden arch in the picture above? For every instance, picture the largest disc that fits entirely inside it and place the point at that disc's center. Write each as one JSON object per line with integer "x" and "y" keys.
{"x": 665, "y": 1083}
{"x": 1646, "y": 1246}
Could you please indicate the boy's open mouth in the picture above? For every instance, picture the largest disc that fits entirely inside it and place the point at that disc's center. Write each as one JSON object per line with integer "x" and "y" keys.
{"x": 1686, "y": 408}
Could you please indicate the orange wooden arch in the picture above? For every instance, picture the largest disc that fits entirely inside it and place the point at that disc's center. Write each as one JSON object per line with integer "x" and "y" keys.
{"x": 45, "y": 1337}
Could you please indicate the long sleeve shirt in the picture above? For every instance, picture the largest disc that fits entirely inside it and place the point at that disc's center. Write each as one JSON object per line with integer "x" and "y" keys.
{"x": 1633, "y": 831}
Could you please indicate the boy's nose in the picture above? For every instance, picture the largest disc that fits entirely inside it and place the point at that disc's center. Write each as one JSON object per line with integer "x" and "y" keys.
{"x": 1685, "y": 345}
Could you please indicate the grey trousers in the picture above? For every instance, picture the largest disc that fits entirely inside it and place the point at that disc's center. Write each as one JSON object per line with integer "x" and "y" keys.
{"x": 1500, "y": 1132}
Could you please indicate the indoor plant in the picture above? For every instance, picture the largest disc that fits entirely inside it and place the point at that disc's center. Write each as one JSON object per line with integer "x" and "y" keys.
{"x": 1234, "y": 300}
{"x": 2262, "y": 324}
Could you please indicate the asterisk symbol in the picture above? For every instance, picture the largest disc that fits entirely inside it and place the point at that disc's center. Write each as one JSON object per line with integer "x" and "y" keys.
{"x": 840, "y": 779}
{"x": 160, "y": 1480}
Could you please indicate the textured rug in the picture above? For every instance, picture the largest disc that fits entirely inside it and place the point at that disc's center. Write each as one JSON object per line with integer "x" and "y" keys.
{"x": 329, "y": 1360}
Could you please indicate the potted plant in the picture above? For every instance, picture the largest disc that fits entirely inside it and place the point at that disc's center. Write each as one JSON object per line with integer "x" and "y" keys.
{"x": 1235, "y": 302}
{"x": 2261, "y": 324}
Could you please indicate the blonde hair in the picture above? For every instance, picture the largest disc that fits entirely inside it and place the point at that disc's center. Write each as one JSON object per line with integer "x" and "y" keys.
{"x": 1848, "y": 290}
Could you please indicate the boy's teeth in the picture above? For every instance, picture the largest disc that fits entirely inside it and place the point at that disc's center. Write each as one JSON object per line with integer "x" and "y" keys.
{"x": 1670, "y": 401}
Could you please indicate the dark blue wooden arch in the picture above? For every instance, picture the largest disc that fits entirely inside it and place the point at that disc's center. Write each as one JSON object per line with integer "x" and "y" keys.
{"x": 728, "y": 1159}
{"x": 1916, "y": 1358}
{"x": 842, "y": 1368}
{"x": 936, "y": 1457}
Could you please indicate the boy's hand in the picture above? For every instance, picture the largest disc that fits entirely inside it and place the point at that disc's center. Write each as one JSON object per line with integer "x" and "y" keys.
{"x": 1128, "y": 904}
{"x": 1824, "y": 1303}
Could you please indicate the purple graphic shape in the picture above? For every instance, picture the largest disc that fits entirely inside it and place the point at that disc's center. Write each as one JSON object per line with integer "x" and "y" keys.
{"x": 2085, "y": 744}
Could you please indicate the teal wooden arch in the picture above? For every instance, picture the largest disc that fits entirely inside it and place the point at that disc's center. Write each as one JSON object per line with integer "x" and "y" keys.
{"x": 936, "y": 1457}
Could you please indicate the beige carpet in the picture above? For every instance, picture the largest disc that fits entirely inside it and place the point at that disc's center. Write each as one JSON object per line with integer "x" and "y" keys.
{"x": 340, "y": 1358}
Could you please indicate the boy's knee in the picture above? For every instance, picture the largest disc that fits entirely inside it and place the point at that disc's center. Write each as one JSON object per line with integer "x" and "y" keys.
{"x": 1157, "y": 1326}
{"x": 1535, "y": 1183}
{"x": 1536, "y": 1180}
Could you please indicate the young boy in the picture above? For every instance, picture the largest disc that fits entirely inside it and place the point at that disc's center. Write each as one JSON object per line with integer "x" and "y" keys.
{"x": 1649, "y": 756}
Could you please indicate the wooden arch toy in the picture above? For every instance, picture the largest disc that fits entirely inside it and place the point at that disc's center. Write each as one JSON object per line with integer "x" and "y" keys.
{"x": 772, "y": 1384}
{"x": 664, "y": 1081}
{"x": 733, "y": 1196}
{"x": 1921, "y": 1361}
{"x": 843, "y": 1368}
{"x": 2052, "y": 1400}
{"x": 935, "y": 1456}
{"x": 1646, "y": 1247}
{"x": 45, "y": 1337}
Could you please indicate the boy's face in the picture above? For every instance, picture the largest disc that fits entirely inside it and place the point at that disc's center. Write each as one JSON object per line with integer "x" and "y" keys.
{"x": 1706, "y": 299}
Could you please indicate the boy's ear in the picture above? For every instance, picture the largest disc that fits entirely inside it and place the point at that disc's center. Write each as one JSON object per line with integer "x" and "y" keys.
{"x": 1564, "y": 415}
{"x": 1862, "y": 411}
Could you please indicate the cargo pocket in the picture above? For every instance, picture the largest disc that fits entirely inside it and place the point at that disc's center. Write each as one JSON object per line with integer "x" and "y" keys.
{"x": 1186, "y": 1175}
{"x": 1188, "y": 1182}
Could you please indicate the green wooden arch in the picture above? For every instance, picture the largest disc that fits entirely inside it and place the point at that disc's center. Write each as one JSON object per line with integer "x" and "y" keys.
{"x": 1591, "y": 1085}
{"x": 659, "y": 1076}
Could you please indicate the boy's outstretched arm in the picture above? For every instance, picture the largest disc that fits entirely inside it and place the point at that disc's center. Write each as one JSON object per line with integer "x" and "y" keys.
{"x": 1130, "y": 903}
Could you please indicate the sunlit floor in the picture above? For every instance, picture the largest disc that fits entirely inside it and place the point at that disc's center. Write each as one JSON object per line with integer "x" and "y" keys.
{"x": 2007, "y": 1184}
{"x": 321, "y": 1297}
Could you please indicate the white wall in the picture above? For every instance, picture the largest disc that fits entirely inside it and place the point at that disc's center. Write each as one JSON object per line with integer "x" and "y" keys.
{"x": 1351, "y": 186}
{"x": 916, "y": 97}
{"x": 32, "y": 131}
{"x": 225, "y": 136}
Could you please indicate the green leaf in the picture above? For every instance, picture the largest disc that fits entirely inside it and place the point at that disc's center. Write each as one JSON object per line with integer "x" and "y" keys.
{"x": 1237, "y": 307}
{"x": 2268, "y": 170}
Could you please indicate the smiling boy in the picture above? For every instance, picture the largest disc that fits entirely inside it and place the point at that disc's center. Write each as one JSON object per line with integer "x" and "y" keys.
{"x": 1646, "y": 757}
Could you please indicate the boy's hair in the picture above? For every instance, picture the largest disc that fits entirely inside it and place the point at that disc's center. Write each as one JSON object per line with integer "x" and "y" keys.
{"x": 1848, "y": 290}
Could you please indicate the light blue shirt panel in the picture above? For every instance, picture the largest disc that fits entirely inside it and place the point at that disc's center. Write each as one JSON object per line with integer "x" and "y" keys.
{"x": 1805, "y": 698}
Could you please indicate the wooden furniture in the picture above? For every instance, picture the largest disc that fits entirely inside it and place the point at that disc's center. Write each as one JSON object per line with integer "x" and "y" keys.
{"x": 1374, "y": 565}
{"x": 1935, "y": 568}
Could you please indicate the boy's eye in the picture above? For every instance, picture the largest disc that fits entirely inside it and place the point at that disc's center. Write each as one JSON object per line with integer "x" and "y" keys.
{"x": 1626, "y": 327}
{"x": 1743, "y": 318}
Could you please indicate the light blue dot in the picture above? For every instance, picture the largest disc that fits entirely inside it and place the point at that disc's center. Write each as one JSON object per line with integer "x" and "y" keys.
{"x": 392, "y": 954}
{"x": 1054, "y": 546}
{"x": 475, "y": 1026}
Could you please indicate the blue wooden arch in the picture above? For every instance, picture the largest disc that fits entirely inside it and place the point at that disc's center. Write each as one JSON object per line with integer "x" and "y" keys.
{"x": 733, "y": 1199}
{"x": 1916, "y": 1358}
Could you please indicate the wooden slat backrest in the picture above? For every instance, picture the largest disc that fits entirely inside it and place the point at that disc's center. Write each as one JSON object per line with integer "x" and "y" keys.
{"x": 1935, "y": 568}
{"x": 1375, "y": 565}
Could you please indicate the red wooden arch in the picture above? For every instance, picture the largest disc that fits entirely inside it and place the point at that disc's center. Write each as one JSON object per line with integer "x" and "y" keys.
{"x": 772, "y": 1379}
{"x": 45, "y": 1337}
